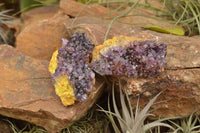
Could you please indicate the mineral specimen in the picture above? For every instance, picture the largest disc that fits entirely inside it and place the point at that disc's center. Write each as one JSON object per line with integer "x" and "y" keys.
{"x": 71, "y": 69}
{"x": 129, "y": 56}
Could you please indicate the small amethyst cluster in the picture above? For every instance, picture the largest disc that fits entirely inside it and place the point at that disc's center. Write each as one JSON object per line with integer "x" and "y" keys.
{"x": 137, "y": 59}
{"x": 73, "y": 60}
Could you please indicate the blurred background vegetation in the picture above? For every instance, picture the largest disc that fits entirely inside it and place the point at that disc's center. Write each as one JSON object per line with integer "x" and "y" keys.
{"x": 182, "y": 13}
{"x": 25, "y": 5}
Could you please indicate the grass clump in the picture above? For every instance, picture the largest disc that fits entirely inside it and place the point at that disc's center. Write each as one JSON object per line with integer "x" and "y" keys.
{"x": 187, "y": 125}
{"x": 4, "y": 21}
{"x": 128, "y": 121}
{"x": 28, "y": 128}
{"x": 93, "y": 122}
{"x": 26, "y": 5}
{"x": 186, "y": 13}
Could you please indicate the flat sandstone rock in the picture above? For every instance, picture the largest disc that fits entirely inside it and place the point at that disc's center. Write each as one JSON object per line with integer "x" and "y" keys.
{"x": 27, "y": 93}
{"x": 42, "y": 37}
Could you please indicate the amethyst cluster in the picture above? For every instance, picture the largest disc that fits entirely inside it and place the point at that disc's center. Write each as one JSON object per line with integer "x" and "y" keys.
{"x": 143, "y": 58}
{"x": 73, "y": 60}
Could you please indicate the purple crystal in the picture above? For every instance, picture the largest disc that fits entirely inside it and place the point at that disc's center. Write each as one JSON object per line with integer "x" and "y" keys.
{"x": 137, "y": 59}
{"x": 73, "y": 60}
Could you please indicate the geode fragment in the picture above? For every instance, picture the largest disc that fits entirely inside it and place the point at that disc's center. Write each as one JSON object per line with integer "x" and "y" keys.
{"x": 71, "y": 70}
{"x": 129, "y": 56}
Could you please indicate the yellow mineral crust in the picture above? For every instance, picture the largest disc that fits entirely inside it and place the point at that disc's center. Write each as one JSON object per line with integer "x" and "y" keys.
{"x": 115, "y": 41}
{"x": 53, "y": 62}
{"x": 62, "y": 85}
{"x": 64, "y": 90}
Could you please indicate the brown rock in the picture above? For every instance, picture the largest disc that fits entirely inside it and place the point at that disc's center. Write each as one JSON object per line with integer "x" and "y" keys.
{"x": 38, "y": 14}
{"x": 180, "y": 97}
{"x": 76, "y": 9}
{"x": 181, "y": 77}
{"x": 27, "y": 93}
{"x": 33, "y": 16}
{"x": 41, "y": 39}
{"x": 96, "y": 32}
{"x": 180, "y": 80}
{"x": 142, "y": 17}
{"x": 182, "y": 51}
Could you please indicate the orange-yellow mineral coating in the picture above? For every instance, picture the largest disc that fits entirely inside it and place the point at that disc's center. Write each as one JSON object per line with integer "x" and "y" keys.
{"x": 64, "y": 90}
{"x": 62, "y": 85}
{"x": 115, "y": 41}
{"x": 53, "y": 62}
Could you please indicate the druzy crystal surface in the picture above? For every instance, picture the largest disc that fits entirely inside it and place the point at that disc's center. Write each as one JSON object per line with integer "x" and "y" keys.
{"x": 126, "y": 56}
{"x": 73, "y": 72}
{"x": 73, "y": 60}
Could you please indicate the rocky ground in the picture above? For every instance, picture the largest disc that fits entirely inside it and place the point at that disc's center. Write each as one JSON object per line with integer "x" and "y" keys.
{"x": 27, "y": 92}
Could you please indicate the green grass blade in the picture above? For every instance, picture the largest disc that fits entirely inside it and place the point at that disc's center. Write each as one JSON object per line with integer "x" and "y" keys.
{"x": 196, "y": 17}
{"x": 119, "y": 16}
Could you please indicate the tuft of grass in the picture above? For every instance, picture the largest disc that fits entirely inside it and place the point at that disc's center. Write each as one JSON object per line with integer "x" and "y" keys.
{"x": 187, "y": 125}
{"x": 26, "y": 5}
{"x": 93, "y": 122}
{"x": 186, "y": 13}
{"x": 28, "y": 128}
{"x": 128, "y": 121}
{"x": 4, "y": 21}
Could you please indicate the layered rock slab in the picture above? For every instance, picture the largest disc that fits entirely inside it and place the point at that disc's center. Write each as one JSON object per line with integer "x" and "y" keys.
{"x": 180, "y": 81}
{"x": 77, "y": 9}
{"x": 27, "y": 93}
{"x": 41, "y": 38}
{"x": 38, "y": 14}
{"x": 183, "y": 56}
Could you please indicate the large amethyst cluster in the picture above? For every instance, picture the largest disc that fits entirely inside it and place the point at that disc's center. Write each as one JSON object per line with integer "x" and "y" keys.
{"x": 143, "y": 58}
{"x": 73, "y": 60}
